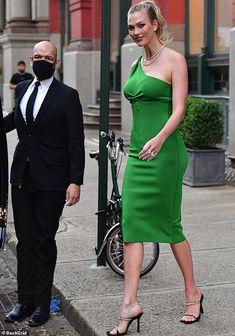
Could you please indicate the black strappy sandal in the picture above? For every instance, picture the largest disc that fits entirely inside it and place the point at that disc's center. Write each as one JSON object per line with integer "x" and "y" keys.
{"x": 196, "y": 318}
{"x": 130, "y": 320}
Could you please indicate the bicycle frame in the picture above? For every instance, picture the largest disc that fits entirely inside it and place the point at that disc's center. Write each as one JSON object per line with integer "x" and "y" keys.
{"x": 105, "y": 239}
{"x": 114, "y": 203}
{"x": 115, "y": 192}
{"x": 113, "y": 154}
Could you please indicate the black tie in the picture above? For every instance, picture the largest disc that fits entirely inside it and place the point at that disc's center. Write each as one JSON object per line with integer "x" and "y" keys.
{"x": 30, "y": 105}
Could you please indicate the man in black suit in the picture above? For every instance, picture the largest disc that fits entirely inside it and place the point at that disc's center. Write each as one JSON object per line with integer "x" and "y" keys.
{"x": 47, "y": 172}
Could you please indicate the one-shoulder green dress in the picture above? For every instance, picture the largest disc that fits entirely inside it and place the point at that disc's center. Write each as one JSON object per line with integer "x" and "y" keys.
{"x": 152, "y": 190}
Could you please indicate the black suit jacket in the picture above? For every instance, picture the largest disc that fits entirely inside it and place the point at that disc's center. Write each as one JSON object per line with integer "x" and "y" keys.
{"x": 54, "y": 145}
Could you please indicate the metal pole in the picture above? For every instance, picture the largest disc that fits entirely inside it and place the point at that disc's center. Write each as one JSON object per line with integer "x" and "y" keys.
{"x": 68, "y": 22}
{"x": 62, "y": 24}
{"x": 3, "y": 181}
{"x": 104, "y": 124}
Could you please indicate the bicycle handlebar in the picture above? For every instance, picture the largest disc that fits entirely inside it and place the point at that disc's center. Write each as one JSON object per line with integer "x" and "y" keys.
{"x": 112, "y": 144}
{"x": 103, "y": 134}
{"x": 111, "y": 139}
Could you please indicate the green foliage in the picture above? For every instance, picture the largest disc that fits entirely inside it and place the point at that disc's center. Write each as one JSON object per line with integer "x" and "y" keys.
{"x": 203, "y": 124}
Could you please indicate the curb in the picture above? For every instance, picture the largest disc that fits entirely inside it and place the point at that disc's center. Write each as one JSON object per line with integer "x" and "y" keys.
{"x": 73, "y": 316}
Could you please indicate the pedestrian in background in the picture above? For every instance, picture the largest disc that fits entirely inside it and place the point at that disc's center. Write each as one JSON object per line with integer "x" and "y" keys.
{"x": 47, "y": 172}
{"x": 152, "y": 188}
{"x": 20, "y": 76}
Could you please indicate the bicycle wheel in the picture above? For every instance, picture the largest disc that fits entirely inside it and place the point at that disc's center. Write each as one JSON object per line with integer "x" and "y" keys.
{"x": 114, "y": 253}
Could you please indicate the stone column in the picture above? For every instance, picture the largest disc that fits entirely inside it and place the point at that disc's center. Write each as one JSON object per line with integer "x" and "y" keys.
{"x": 232, "y": 97}
{"x": 18, "y": 16}
{"x": 96, "y": 24}
{"x": 81, "y": 57}
{"x": 19, "y": 36}
{"x": 40, "y": 14}
{"x": 40, "y": 10}
{"x": 18, "y": 10}
{"x": 54, "y": 19}
{"x": 2, "y": 15}
{"x": 81, "y": 25}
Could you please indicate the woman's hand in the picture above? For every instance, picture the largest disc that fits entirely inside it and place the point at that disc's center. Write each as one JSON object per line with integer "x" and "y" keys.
{"x": 151, "y": 148}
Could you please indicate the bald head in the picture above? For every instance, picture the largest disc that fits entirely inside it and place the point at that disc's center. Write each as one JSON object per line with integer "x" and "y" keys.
{"x": 45, "y": 48}
{"x": 44, "y": 60}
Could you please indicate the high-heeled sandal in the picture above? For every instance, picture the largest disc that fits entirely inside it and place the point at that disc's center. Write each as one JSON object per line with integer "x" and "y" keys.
{"x": 196, "y": 318}
{"x": 130, "y": 320}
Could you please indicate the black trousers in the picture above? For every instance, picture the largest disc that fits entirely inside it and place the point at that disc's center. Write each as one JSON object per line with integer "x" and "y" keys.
{"x": 36, "y": 216}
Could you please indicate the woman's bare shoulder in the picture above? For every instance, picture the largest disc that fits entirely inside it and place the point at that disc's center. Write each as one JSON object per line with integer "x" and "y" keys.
{"x": 174, "y": 56}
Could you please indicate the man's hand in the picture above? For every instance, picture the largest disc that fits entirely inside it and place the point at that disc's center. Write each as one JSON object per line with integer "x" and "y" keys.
{"x": 72, "y": 194}
{"x": 12, "y": 86}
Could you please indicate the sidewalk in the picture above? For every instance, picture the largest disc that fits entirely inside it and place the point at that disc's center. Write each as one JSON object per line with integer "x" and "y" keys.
{"x": 57, "y": 325}
{"x": 91, "y": 296}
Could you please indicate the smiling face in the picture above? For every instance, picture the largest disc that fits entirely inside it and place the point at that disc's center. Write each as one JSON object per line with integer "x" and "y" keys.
{"x": 141, "y": 29}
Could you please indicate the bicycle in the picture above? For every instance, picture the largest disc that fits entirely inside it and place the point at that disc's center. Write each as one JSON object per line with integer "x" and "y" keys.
{"x": 113, "y": 241}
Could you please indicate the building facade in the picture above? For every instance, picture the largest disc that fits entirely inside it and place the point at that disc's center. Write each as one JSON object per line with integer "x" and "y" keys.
{"x": 202, "y": 30}
{"x": 22, "y": 24}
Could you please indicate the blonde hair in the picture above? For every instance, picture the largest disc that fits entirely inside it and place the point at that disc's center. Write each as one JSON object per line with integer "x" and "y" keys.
{"x": 154, "y": 13}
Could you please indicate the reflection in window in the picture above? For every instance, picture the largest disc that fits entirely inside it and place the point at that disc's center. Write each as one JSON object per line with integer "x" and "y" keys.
{"x": 192, "y": 80}
{"x": 224, "y": 21}
{"x": 196, "y": 26}
{"x": 221, "y": 80}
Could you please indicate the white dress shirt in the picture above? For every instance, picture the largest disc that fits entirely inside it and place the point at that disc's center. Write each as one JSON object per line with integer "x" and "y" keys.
{"x": 42, "y": 91}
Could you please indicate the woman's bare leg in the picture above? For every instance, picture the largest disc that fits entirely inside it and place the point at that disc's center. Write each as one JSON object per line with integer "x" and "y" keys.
{"x": 183, "y": 256}
{"x": 133, "y": 257}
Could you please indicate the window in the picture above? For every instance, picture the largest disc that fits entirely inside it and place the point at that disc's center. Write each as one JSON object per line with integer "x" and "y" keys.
{"x": 224, "y": 21}
{"x": 196, "y": 26}
{"x": 193, "y": 85}
{"x": 221, "y": 80}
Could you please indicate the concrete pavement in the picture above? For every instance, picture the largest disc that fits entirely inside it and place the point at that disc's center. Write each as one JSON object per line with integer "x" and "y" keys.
{"x": 91, "y": 296}
{"x": 56, "y": 326}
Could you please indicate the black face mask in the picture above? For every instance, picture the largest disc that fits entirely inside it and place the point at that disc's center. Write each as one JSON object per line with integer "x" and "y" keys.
{"x": 43, "y": 69}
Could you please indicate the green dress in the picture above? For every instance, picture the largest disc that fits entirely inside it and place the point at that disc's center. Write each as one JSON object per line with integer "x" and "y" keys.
{"x": 152, "y": 190}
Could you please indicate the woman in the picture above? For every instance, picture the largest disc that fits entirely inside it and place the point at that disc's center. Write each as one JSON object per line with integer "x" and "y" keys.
{"x": 152, "y": 188}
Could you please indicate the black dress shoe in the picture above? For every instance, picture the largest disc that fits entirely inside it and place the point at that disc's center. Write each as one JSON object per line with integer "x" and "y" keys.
{"x": 39, "y": 316}
{"x": 19, "y": 312}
